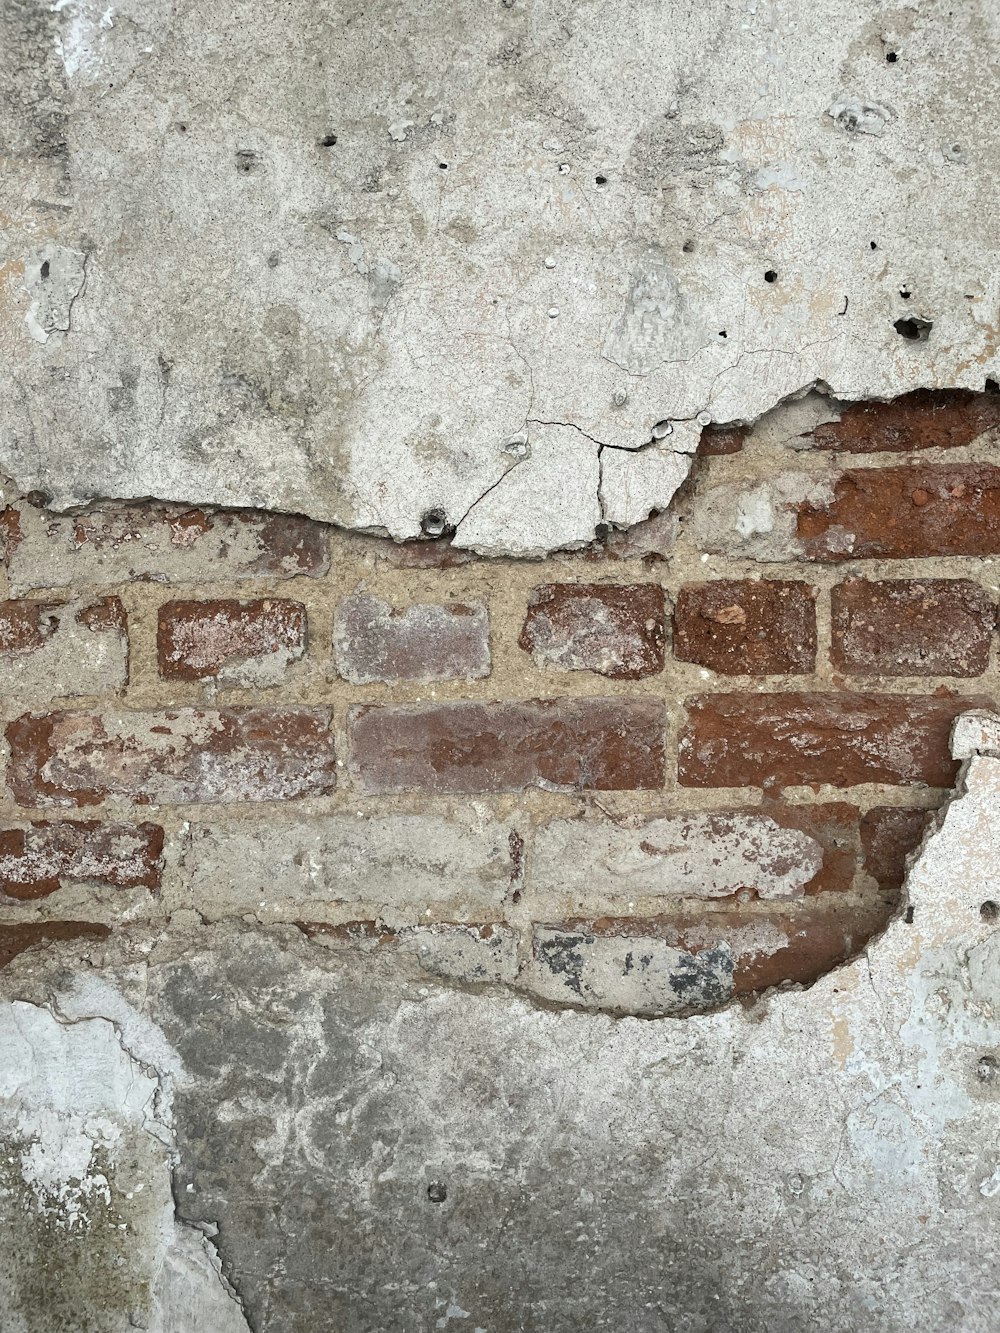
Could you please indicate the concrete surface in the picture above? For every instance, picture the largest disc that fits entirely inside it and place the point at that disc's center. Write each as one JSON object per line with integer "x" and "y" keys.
{"x": 362, "y": 1148}
{"x": 485, "y": 267}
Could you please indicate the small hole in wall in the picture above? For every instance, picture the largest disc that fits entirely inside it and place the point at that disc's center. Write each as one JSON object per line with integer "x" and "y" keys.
{"x": 908, "y": 918}
{"x": 45, "y": 268}
{"x": 442, "y": 166}
{"x": 722, "y": 333}
{"x": 600, "y": 180}
{"x": 434, "y": 523}
{"x": 328, "y": 140}
{"x": 891, "y": 57}
{"x": 989, "y": 910}
{"x": 688, "y": 247}
{"x": 770, "y": 276}
{"x": 436, "y": 1192}
{"x": 913, "y": 330}
{"x": 873, "y": 244}
{"x": 905, "y": 293}
{"x": 986, "y": 1069}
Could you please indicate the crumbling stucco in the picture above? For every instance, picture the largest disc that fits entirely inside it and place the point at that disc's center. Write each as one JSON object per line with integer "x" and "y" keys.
{"x": 447, "y": 266}
{"x": 379, "y": 1151}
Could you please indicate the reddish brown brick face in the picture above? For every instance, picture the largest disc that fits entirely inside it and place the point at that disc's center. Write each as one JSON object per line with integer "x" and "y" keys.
{"x": 888, "y": 835}
{"x": 782, "y": 740}
{"x": 178, "y": 755}
{"x": 615, "y": 630}
{"x": 924, "y": 419}
{"x": 201, "y": 640}
{"x": 899, "y": 513}
{"x": 36, "y": 860}
{"x": 562, "y": 744}
{"x": 912, "y": 627}
{"x": 747, "y": 627}
{"x": 374, "y": 642}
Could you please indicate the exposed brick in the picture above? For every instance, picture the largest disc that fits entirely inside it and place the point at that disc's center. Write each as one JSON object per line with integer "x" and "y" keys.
{"x": 912, "y": 627}
{"x": 247, "y": 643}
{"x": 899, "y": 513}
{"x": 673, "y": 964}
{"x": 422, "y": 553}
{"x": 923, "y": 419}
{"x": 163, "y": 543}
{"x": 48, "y": 650}
{"x": 716, "y": 440}
{"x": 472, "y": 954}
{"x": 747, "y": 627}
{"x": 889, "y": 834}
{"x": 374, "y": 642}
{"x": 37, "y": 859}
{"x": 561, "y": 744}
{"x": 616, "y": 630}
{"x": 14, "y": 939}
{"x": 178, "y": 755}
{"x": 780, "y": 740}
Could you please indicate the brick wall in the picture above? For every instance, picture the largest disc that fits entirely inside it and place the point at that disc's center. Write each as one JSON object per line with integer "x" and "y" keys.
{"x": 684, "y": 764}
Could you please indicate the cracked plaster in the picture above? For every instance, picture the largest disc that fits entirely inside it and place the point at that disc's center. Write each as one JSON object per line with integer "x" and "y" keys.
{"x": 331, "y": 259}
{"x": 370, "y": 1149}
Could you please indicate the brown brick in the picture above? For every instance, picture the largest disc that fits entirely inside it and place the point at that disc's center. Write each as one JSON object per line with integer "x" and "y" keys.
{"x": 374, "y": 642}
{"x": 912, "y": 627}
{"x": 717, "y": 440}
{"x": 50, "y": 649}
{"x": 899, "y": 513}
{"x": 158, "y": 542}
{"x": 747, "y": 627}
{"x": 781, "y": 740}
{"x": 923, "y": 419}
{"x": 614, "y": 629}
{"x": 889, "y": 834}
{"x": 14, "y": 939}
{"x": 177, "y": 755}
{"x": 242, "y": 643}
{"x": 35, "y": 860}
{"x": 560, "y": 744}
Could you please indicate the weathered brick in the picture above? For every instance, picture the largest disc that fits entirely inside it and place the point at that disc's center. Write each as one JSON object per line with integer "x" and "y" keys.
{"x": 717, "y": 440}
{"x": 780, "y": 740}
{"x": 374, "y": 642}
{"x": 889, "y": 833}
{"x": 51, "y": 650}
{"x": 616, "y": 630}
{"x": 14, "y": 939}
{"x": 37, "y": 859}
{"x": 560, "y": 744}
{"x": 687, "y": 963}
{"x": 923, "y": 419}
{"x": 158, "y": 542}
{"x": 249, "y": 643}
{"x": 785, "y": 852}
{"x": 177, "y": 755}
{"x": 387, "y": 861}
{"x": 912, "y": 627}
{"x": 899, "y": 513}
{"x": 471, "y": 954}
{"x": 746, "y": 626}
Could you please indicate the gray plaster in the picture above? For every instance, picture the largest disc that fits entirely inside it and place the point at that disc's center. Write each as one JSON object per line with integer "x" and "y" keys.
{"x": 369, "y": 1149}
{"x": 332, "y": 258}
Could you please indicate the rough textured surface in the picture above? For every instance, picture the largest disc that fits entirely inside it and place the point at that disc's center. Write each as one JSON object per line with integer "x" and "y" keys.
{"x": 615, "y": 630}
{"x": 748, "y": 627}
{"x": 372, "y": 641}
{"x": 231, "y": 642}
{"x": 912, "y": 627}
{"x": 381, "y": 263}
{"x": 326, "y": 1101}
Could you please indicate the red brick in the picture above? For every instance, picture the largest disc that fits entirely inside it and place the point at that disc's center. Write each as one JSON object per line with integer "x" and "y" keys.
{"x": 374, "y": 642}
{"x": 158, "y": 542}
{"x": 36, "y": 860}
{"x": 717, "y": 440}
{"x": 53, "y": 649}
{"x": 780, "y": 740}
{"x": 924, "y": 419}
{"x": 248, "y": 643}
{"x": 912, "y": 627}
{"x": 899, "y": 513}
{"x": 889, "y": 833}
{"x": 614, "y": 629}
{"x": 560, "y": 744}
{"x": 747, "y": 627}
{"x": 15, "y": 939}
{"x": 177, "y": 755}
